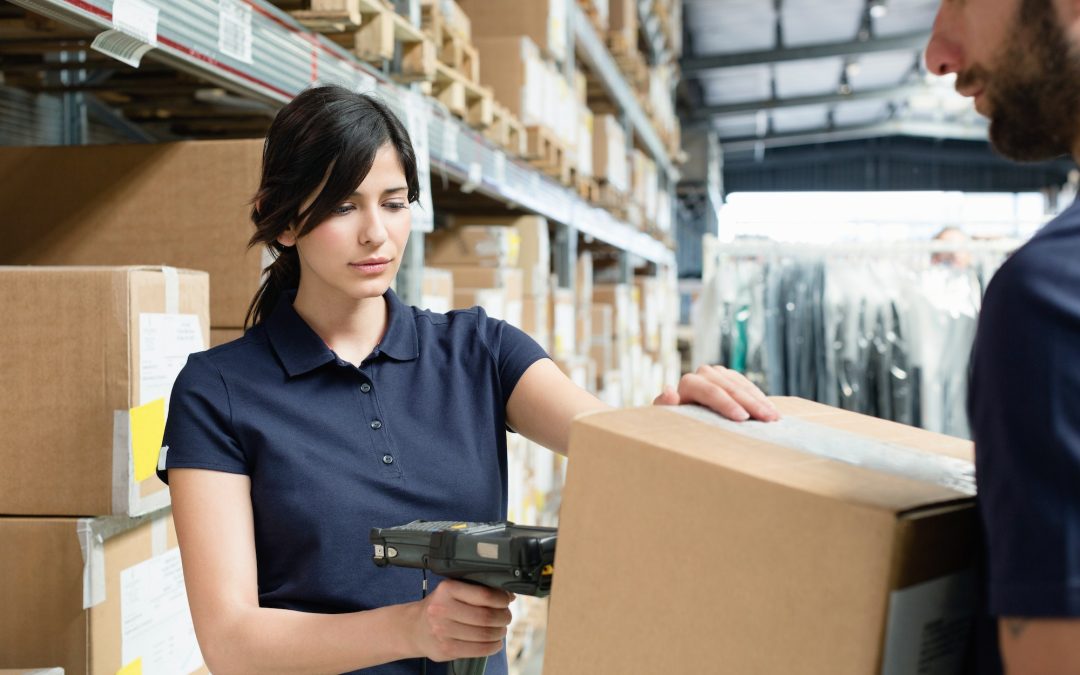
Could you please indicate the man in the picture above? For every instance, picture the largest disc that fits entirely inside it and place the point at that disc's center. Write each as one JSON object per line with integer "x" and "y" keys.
{"x": 1020, "y": 60}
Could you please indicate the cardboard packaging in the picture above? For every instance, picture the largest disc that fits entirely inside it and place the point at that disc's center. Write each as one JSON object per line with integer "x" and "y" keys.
{"x": 32, "y": 671}
{"x": 95, "y": 594}
{"x": 535, "y": 318}
{"x": 516, "y": 72}
{"x": 493, "y": 300}
{"x": 534, "y": 246}
{"x": 543, "y": 21}
{"x": 577, "y": 369}
{"x": 563, "y": 323}
{"x": 609, "y": 152}
{"x": 437, "y": 290}
{"x": 181, "y": 204}
{"x": 829, "y": 543}
{"x": 468, "y": 281}
{"x": 623, "y": 21}
{"x": 89, "y": 355}
{"x": 477, "y": 245}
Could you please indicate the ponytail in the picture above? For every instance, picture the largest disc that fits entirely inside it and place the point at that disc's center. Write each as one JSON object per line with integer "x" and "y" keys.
{"x": 282, "y": 275}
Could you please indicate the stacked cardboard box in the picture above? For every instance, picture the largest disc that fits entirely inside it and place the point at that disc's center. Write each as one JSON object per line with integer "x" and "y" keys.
{"x": 437, "y": 290}
{"x": 875, "y": 542}
{"x": 542, "y": 21}
{"x": 644, "y": 185}
{"x": 609, "y": 153}
{"x": 89, "y": 575}
{"x": 181, "y": 204}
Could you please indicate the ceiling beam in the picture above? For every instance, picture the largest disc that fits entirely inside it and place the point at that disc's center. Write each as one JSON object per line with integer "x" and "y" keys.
{"x": 698, "y": 64}
{"x": 955, "y": 130}
{"x": 879, "y": 94}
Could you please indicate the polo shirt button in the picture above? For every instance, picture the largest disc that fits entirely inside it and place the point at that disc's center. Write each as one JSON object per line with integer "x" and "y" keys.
{"x": 376, "y": 424}
{"x": 365, "y": 387}
{"x": 387, "y": 459}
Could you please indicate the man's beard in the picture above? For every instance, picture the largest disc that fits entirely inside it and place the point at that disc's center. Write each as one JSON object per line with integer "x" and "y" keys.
{"x": 1034, "y": 91}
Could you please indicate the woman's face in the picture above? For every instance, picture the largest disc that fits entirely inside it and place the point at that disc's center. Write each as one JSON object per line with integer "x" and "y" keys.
{"x": 357, "y": 250}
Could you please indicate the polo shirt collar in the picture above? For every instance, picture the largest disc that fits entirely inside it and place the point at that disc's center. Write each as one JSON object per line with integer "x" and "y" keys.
{"x": 301, "y": 349}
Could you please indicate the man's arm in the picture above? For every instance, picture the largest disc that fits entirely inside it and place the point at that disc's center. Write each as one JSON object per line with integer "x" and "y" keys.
{"x": 1040, "y": 646}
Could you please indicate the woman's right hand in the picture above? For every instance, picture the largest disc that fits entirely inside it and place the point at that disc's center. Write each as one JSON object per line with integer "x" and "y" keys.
{"x": 462, "y": 620}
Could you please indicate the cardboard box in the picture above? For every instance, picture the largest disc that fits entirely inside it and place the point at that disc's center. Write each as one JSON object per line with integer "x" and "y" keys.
{"x": 85, "y": 593}
{"x": 493, "y": 300}
{"x": 577, "y": 369}
{"x": 543, "y": 21}
{"x": 563, "y": 323}
{"x": 609, "y": 152}
{"x": 86, "y": 352}
{"x": 183, "y": 204}
{"x": 534, "y": 246}
{"x": 623, "y": 21}
{"x": 516, "y": 72}
{"x": 477, "y": 245}
{"x": 510, "y": 279}
{"x": 752, "y": 547}
{"x": 437, "y": 290}
{"x": 219, "y": 336}
{"x": 535, "y": 317}
{"x": 32, "y": 671}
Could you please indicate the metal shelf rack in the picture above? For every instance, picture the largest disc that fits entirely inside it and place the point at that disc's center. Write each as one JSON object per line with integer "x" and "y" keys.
{"x": 285, "y": 58}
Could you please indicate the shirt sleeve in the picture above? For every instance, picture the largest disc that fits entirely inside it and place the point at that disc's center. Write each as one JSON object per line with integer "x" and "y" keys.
{"x": 199, "y": 432}
{"x": 1025, "y": 415}
{"x": 513, "y": 350}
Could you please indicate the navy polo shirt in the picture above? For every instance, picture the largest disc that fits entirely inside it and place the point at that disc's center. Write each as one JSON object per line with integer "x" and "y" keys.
{"x": 1025, "y": 414}
{"x": 418, "y": 430}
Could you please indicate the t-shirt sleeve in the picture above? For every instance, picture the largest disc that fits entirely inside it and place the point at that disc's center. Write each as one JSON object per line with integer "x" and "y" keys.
{"x": 199, "y": 432}
{"x": 513, "y": 350}
{"x": 1025, "y": 394}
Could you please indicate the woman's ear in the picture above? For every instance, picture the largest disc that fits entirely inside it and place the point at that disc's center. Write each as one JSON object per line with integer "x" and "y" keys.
{"x": 287, "y": 238}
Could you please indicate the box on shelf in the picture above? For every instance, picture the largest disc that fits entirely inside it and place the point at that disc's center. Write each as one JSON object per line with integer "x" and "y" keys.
{"x": 825, "y": 524}
{"x": 534, "y": 247}
{"x": 89, "y": 355}
{"x": 185, "y": 204}
{"x": 543, "y": 21}
{"x": 452, "y": 16}
{"x": 584, "y": 143}
{"x": 469, "y": 280}
{"x": 623, "y": 24}
{"x": 219, "y": 336}
{"x": 536, "y": 310}
{"x": 563, "y": 323}
{"x": 483, "y": 245}
{"x": 577, "y": 368}
{"x": 437, "y": 290}
{"x": 516, "y": 73}
{"x": 609, "y": 152}
{"x": 602, "y": 340}
{"x": 493, "y": 300}
{"x": 95, "y": 594}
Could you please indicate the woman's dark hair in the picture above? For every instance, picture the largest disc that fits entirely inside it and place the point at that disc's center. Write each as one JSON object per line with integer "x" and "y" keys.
{"x": 326, "y": 133}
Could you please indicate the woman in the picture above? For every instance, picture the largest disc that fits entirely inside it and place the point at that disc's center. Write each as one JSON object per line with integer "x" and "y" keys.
{"x": 342, "y": 409}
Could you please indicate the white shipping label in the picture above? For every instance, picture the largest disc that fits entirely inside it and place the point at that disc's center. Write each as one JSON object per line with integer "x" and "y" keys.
{"x": 234, "y": 30}
{"x": 416, "y": 121}
{"x": 136, "y": 18}
{"x": 165, "y": 341}
{"x": 929, "y": 626}
{"x": 155, "y": 621}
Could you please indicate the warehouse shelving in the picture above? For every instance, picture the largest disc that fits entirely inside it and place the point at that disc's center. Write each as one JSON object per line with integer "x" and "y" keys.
{"x": 260, "y": 52}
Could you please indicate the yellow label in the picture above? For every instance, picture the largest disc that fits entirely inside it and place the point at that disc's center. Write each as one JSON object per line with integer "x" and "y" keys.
{"x": 147, "y": 431}
{"x": 133, "y": 668}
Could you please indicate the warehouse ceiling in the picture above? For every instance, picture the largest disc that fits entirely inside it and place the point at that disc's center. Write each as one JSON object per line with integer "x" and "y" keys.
{"x": 776, "y": 73}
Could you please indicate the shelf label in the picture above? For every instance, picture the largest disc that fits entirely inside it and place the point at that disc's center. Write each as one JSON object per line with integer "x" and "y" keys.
{"x": 234, "y": 30}
{"x": 136, "y": 18}
{"x": 450, "y": 142}
{"x": 474, "y": 178}
{"x": 416, "y": 121}
{"x": 133, "y": 34}
{"x": 500, "y": 169}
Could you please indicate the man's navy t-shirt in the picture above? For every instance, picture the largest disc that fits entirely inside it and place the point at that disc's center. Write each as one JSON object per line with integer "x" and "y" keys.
{"x": 1025, "y": 412}
{"x": 418, "y": 430}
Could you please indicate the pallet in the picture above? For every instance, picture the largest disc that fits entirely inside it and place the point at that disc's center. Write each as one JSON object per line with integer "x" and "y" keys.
{"x": 544, "y": 151}
{"x": 613, "y": 200}
{"x": 445, "y": 16}
{"x": 373, "y": 31}
{"x": 630, "y": 61}
{"x": 469, "y": 101}
{"x": 453, "y": 44}
{"x": 507, "y": 131}
{"x": 587, "y": 187}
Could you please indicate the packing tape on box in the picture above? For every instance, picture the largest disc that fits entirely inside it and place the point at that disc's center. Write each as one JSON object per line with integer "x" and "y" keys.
{"x": 172, "y": 290}
{"x": 842, "y": 446}
{"x": 92, "y": 534}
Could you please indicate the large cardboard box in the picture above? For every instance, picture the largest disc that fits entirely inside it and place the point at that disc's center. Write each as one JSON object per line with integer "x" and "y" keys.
{"x": 543, "y": 21}
{"x": 469, "y": 282}
{"x": 183, "y": 204}
{"x": 829, "y": 543}
{"x": 534, "y": 246}
{"x": 563, "y": 323}
{"x": 516, "y": 72}
{"x": 493, "y": 300}
{"x": 609, "y": 152}
{"x": 95, "y": 594}
{"x": 89, "y": 355}
{"x": 437, "y": 290}
{"x": 477, "y": 245}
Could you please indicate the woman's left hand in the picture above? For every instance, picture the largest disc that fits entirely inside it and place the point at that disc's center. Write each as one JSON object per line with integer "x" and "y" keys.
{"x": 722, "y": 390}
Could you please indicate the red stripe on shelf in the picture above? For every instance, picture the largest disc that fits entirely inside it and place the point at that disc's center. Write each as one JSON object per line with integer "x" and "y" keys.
{"x": 87, "y": 7}
{"x": 223, "y": 66}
